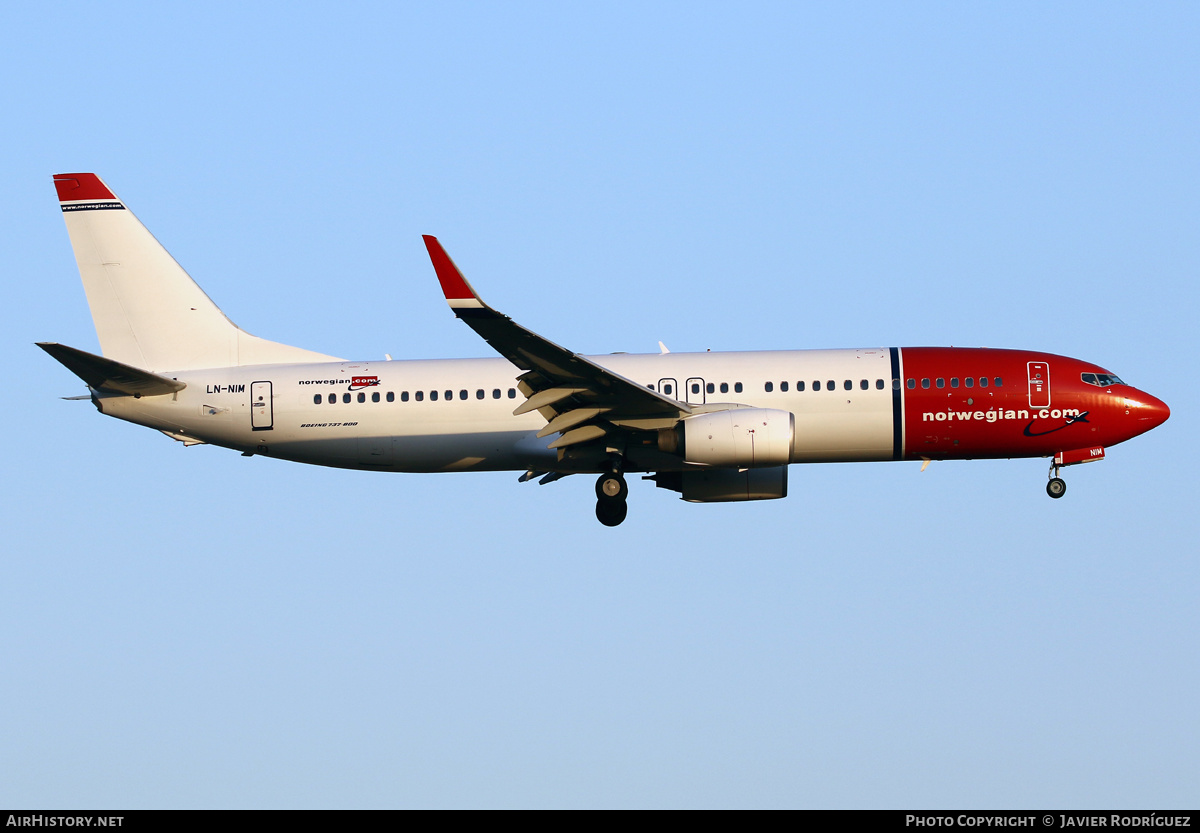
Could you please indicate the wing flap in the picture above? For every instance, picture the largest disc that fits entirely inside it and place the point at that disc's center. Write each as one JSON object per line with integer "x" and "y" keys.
{"x": 575, "y": 436}
{"x": 547, "y": 397}
{"x": 569, "y": 419}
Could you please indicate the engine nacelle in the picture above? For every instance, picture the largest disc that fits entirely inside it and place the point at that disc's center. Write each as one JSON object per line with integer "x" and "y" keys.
{"x": 725, "y": 485}
{"x": 737, "y": 438}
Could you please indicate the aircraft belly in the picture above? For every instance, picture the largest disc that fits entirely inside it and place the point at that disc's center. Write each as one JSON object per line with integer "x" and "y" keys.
{"x": 478, "y": 451}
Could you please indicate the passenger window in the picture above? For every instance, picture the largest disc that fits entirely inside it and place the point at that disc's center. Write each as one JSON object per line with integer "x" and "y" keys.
{"x": 449, "y": 396}
{"x": 925, "y": 384}
{"x": 710, "y": 388}
{"x": 769, "y": 387}
{"x": 362, "y": 397}
{"x": 879, "y": 384}
{"x": 848, "y": 385}
{"x": 495, "y": 393}
{"x": 695, "y": 387}
{"x": 433, "y": 396}
{"x": 997, "y": 382}
{"x": 737, "y": 387}
{"x": 783, "y": 386}
{"x": 345, "y": 397}
{"x": 512, "y": 393}
{"x": 332, "y": 398}
{"x": 420, "y": 395}
{"x": 667, "y": 389}
{"x": 375, "y": 396}
{"x": 800, "y": 387}
{"x": 969, "y": 381}
{"x": 317, "y": 399}
{"x": 941, "y": 383}
{"x": 830, "y": 385}
{"x": 817, "y": 384}
{"x": 724, "y": 387}
{"x": 983, "y": 381}
{"x": 462, "y": 394}
{"x": 953, "y": 381}
{"x": 896, "y": 384}
{"x": 479, "y": 394}
{"x": 912, "y": 384}
{"x": 864, "y": 384}
{"x": 651, "y": 386}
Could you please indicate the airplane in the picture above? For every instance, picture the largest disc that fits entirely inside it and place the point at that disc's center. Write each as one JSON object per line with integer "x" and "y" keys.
{"x": 713, "y": 427}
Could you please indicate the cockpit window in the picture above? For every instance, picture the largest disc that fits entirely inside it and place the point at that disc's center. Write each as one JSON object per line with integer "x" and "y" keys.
{"x": 1101, "y": 380}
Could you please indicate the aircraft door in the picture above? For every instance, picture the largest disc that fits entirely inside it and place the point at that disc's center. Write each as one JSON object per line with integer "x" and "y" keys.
{"x": 1039, "y": 385}
{"x": 694, "y": 391}
{"x": 669, "y": 387}
{"x": 262, "y": 411}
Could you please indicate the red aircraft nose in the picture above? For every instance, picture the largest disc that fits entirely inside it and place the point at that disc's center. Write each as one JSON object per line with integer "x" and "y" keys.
{"x": 1154, "y": 410}
{"x": 1149, "y": 411}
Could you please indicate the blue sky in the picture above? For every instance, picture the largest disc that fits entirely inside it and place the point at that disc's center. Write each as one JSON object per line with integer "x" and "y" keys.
{"x": 189, "y": 628}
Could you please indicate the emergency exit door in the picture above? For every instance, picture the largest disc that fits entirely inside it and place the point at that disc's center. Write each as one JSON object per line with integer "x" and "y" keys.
{"x": 262, "y": 414}
{"x": 1039, "y": 385}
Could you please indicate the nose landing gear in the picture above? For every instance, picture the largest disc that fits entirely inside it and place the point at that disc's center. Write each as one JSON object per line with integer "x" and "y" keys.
{"x": 1057, "y": 487}
{"x": 611, "y": 491}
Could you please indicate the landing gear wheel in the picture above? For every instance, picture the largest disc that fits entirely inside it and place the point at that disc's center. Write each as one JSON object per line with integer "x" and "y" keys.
{"x": 611, "y": 512}
{"x": 1056, "y": 488}
{"x": 611, "y": 487}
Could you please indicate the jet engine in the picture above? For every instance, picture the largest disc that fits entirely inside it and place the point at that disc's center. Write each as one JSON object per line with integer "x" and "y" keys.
{"x": 736, "y": 438}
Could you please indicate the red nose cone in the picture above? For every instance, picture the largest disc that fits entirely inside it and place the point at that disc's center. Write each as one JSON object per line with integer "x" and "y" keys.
{"x": 1153, "y": 411}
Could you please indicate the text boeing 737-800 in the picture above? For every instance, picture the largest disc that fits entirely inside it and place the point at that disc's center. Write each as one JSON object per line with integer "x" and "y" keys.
{"x": 711, "y": 426}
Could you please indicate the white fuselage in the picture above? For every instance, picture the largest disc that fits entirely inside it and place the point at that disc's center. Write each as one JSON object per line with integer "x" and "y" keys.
{"x": 457, "y": 414}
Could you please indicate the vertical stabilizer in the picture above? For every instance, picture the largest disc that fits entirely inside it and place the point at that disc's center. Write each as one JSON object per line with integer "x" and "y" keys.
{"x": 148, "y": 311}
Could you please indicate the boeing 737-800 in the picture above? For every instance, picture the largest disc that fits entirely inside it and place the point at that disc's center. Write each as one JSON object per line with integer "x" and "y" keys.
{"x": 710, "y": 426}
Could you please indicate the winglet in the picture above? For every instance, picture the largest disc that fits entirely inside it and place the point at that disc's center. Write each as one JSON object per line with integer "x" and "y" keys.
{"x": 459, "y": 294}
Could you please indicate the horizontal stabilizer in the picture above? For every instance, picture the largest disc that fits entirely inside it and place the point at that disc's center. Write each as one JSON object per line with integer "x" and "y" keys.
{"x": 108, "y": 375}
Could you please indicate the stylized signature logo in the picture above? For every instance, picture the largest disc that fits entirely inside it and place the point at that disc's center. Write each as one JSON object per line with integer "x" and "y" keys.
{"x": 360, "y": 382}
{"x": 1071, "y": 420}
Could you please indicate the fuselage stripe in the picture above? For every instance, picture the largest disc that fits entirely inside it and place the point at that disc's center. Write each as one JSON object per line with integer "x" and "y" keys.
{"x": 897, "y": 410}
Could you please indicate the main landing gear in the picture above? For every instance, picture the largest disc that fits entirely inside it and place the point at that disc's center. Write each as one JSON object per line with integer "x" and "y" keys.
{"x": 1057, "y": 487}
{"x": 611, "y": 491}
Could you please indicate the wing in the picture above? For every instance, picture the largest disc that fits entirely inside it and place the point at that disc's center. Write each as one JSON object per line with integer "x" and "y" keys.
{"x": 580, "y": 400}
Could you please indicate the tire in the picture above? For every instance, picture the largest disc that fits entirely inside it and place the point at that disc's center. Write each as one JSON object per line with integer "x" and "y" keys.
{"x": 611, "y": 512}
{"x": 1056, "y": 488}
{"x": 611, "y": 487}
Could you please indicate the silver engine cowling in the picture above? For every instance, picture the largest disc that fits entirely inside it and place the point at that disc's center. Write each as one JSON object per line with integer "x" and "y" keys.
{"x": 737, "y": 438}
